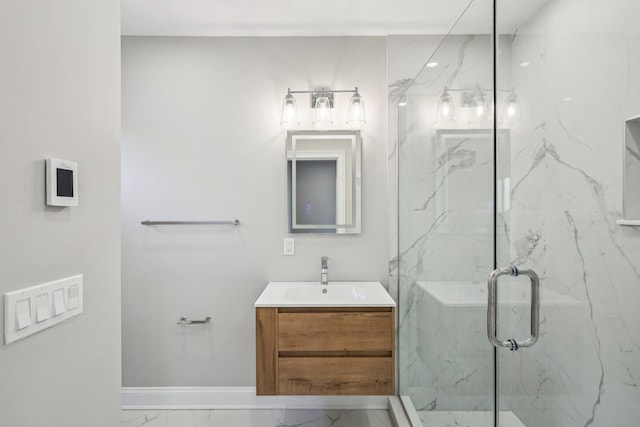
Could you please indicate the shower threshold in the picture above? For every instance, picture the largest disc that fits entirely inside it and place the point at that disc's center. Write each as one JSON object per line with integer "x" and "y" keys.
{"x": 467, "y": 418}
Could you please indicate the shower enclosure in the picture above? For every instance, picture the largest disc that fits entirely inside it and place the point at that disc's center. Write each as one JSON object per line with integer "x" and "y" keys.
{"x": 510, "y": 148}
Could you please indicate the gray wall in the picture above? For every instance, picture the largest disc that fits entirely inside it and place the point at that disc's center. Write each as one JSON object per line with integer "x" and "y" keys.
{"x": 202, "y": 140}
{"x": 60, "y": 97}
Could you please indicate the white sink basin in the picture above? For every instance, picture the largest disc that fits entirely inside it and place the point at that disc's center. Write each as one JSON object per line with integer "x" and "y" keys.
{"x": 335, "y": 294}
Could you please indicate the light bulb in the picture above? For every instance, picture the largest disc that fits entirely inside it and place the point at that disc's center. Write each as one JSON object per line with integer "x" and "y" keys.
{"x": 323, "y": 114}
{"x": 479, "y": 105}
{"x": 511, "y": 108}
{"x": 445, "y": 110}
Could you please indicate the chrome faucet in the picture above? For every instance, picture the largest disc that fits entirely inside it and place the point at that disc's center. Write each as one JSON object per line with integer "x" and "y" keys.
{"x": 324, "y": 271}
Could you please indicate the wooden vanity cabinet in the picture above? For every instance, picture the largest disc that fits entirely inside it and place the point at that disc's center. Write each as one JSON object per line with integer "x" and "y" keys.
{"x": 325, "y": 351}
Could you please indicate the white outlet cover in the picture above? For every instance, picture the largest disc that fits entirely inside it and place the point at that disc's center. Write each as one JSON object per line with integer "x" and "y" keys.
{"x": 289, "y": 246}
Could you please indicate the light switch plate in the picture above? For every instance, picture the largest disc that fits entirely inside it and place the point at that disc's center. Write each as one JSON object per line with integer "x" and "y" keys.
{"x": 41, "y": 304}
{"x": 289, "y": 246}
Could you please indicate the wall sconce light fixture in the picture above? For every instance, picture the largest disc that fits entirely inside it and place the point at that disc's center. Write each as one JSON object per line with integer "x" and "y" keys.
{"x": 323, "y": 106}
{"x": 478, "y": 103}
{"x": 511, "y": 107}
{"x": 356, "y": 110}
{"x": 289, "y": 115}
{"x": 446, "y": 110}
{"x": 322, "y": 102}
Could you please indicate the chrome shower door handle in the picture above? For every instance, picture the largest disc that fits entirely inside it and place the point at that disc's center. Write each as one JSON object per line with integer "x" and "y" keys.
{"x": 492, "y": 311}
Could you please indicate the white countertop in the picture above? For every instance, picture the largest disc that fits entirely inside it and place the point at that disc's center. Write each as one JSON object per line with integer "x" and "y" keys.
{"x": 312, "y": 294}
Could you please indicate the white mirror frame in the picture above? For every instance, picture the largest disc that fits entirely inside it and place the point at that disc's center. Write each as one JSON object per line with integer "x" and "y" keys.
{"x": 342, "y": 206}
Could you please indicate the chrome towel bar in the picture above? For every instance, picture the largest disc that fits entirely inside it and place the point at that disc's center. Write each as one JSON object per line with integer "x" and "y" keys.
{"x": 148, "y": 222}
{"x": 184, "y": 321}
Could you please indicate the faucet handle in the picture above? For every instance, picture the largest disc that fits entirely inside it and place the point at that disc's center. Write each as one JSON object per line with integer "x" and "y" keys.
{"x": 324, "y": 260}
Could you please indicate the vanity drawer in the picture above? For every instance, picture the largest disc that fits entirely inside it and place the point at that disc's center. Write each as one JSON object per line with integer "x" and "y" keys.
{"x": 335, "y": 331}
{"x": 335, "y": 376}
{"x": 325, "y": 351}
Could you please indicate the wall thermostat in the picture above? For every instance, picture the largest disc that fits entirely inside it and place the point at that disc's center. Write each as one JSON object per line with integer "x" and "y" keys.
{"x": 62, "y": 182}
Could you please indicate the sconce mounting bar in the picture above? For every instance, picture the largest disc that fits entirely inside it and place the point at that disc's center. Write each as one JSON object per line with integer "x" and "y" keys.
{"x": 324, "y": 92}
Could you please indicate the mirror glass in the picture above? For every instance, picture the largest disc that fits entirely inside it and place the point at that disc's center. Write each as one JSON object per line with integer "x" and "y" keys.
{"x": 323, "y": 169}
{"x": 630, "y": 193}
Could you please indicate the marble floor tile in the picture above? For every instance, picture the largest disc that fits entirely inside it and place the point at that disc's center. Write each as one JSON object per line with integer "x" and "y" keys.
{"x": 256, "y": 418}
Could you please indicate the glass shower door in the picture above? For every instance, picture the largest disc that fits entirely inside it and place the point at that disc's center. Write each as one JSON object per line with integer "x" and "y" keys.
{"x": 534, "y": 182}
{"x": 566, "y": 80}
{"x": 446, "y": 229}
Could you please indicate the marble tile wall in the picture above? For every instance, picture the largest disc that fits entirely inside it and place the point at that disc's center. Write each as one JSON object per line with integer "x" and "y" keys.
{"x": 566, "y": 194}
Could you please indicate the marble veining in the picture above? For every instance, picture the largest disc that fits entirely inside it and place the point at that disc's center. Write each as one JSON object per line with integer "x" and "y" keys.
{"x": 256, "y": 418}
{"x": 549, "y": 149}
{"x": 574, "y": 230}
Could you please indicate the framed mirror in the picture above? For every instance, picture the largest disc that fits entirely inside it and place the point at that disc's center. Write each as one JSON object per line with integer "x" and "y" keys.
{"x": 324, "y": 181}
{"x": 631, "y": 168}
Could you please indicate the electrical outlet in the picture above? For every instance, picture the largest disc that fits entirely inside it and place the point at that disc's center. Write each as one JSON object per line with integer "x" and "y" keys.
{"x": 289, "y": 246}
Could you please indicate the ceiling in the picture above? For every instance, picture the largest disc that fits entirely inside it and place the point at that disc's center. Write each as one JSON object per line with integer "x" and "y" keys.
{"x": 312, "y": 18}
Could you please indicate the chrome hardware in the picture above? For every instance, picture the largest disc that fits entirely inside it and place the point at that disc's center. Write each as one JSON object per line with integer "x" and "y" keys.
{"x": 492, "y": 314}
{"x": 148, "y": 222}
{"x": 184, "y": 321}
{"x": 324, "y": 271}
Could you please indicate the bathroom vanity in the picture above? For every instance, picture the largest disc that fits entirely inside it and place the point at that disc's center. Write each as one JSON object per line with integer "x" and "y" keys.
{"x": 335, "y": 339}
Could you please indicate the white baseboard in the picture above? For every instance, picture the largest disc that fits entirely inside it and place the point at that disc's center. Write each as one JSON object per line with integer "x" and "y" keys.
{"x": 238, "y": 398}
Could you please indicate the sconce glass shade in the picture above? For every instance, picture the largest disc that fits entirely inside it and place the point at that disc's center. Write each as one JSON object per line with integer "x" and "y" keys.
{"x": 323, "y": 115}
{"x": 479, "y": 105}
{"x": 445, "y": 110}
{"x": 289, "y": 115}
{"x": 356, "y": 111}
{"x": 511, "y": 109}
